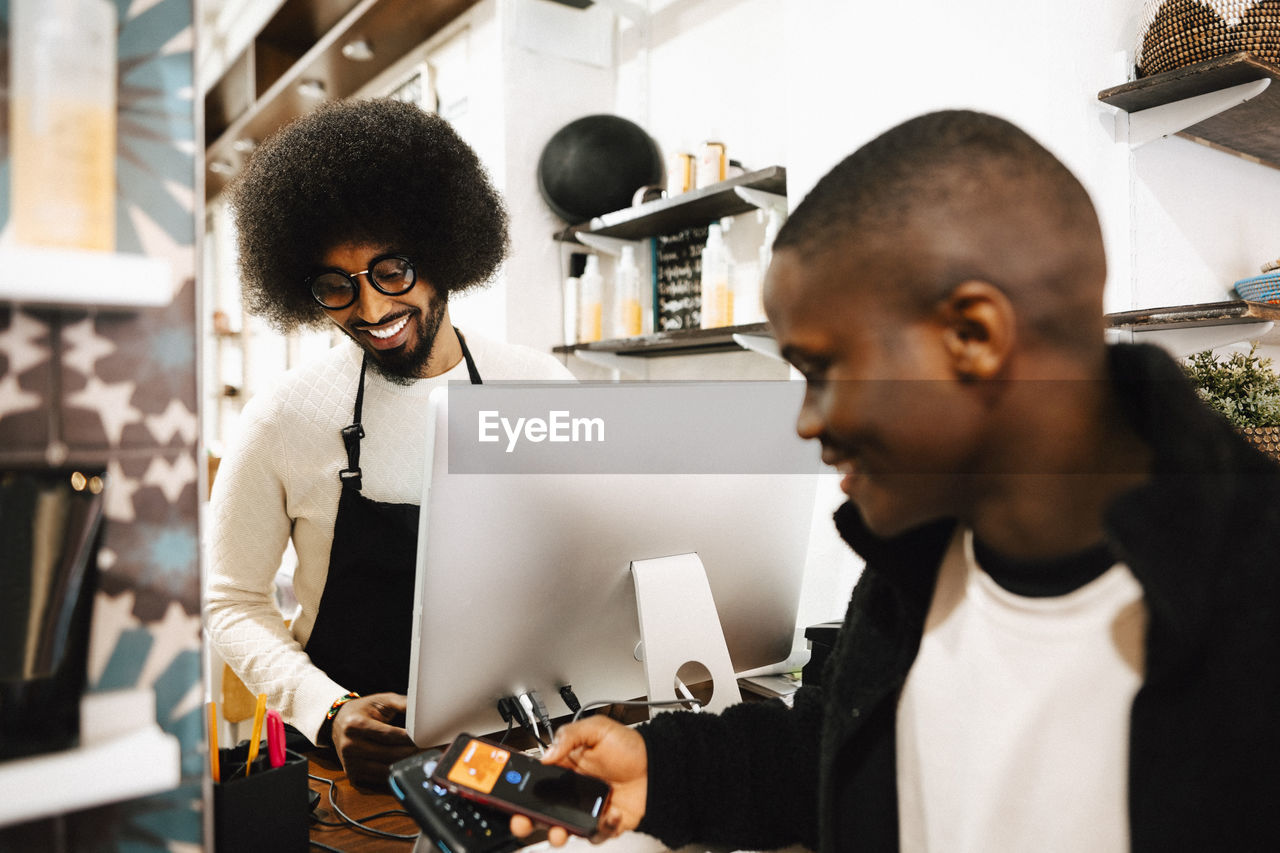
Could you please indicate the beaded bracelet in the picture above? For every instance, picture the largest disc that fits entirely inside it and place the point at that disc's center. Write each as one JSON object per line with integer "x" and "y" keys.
{"x": 333, "y": 709}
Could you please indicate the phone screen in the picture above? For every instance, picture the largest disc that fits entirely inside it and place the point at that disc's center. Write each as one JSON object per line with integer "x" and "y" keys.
{"x": 515, "y": 781}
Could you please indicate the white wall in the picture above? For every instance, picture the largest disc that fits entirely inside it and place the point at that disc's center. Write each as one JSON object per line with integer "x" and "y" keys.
{"x": 1182, "y": 221}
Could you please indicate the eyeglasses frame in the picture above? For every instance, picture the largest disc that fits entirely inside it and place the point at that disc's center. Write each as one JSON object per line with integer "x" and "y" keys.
{"x": 355, "y": 283}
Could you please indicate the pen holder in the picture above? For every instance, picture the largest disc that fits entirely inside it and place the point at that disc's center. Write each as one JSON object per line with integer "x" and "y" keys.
{"x": 266, "y": 811}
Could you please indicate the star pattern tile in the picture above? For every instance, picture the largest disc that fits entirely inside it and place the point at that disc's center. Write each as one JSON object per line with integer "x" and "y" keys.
{"x": 118, "y": 495}
{"x": 14, "y": 400}
{"x": 21, "y": 343}
{"x": 26, "y": 367}
{"x": 177, "y": 631}
{"x": 112, "y": 616}
{"x": 84, "y": 346}
{"x": 170, "y": 478}
{"x": 111, "y": 402}
{"x": 176, "y": 419}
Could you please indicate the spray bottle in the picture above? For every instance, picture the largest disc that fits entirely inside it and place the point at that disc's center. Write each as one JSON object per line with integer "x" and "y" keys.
{"x": 749, "y": 305}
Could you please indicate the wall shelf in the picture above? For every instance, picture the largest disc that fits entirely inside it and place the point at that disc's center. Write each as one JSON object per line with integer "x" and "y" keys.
{"x": 688, "y": 209}
{"x": 297, "y": 62}
{"x": 67, "y": 278}
{"x": 1185, "y": 329}
{"x": 111, "y": 764}
{"x": 1244, "y": 124}
{"x": 681, "y": 342}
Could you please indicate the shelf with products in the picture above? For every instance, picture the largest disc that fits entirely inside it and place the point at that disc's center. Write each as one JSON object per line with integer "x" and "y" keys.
{"x": 679, "y": 217}
{"x": 1229, "y": 103}
{"x": 679, "y": 342}
{"x": 691, "y": 208}
{"x": 310, "y": 51}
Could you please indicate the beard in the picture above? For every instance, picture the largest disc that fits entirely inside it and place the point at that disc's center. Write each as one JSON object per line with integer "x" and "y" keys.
{"x": 403, "y": 365}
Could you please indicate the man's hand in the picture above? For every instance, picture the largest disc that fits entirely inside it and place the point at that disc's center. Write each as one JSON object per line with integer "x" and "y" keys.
{"x": 600, "y": 747}
{"x": 367, "y": 741}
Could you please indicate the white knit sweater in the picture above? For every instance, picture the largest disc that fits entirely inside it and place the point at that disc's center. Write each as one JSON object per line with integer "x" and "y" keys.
{"x": 279, "y": 480}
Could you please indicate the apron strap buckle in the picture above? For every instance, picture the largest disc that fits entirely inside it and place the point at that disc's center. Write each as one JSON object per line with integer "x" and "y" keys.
{"x": 352, "y": 434}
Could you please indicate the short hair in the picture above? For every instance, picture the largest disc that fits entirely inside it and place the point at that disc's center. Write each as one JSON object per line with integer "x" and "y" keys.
{"x": 956, "y": 195}
{"x": 363, "y": 171}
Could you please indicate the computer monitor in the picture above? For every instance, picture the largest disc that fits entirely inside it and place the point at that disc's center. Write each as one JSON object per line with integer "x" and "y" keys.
{"x": 539, "y": 497}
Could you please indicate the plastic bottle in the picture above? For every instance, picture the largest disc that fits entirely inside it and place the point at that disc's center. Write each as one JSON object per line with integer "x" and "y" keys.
{"x": 712, "y": 162}
{"x": 717, "y": 296}
{"x": 62, "y": 122}
{"x": 591, "y": 290}
{"x": 572, "y": 284}
{"x": 572, "y": 298}
{"x": 626, "y": 295}
{"x": 749, "y": 302}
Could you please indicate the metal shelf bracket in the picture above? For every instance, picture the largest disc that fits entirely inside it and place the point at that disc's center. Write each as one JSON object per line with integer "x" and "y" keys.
{"x": 608, "y": 245}
{"x": 761, "y": 344}
{"x": 1166, "y": 119}
{"x": 762, "y": 199}
{"x": 612, "y": 361}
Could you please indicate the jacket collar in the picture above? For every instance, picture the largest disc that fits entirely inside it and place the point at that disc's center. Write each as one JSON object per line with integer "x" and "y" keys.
{"x": 1168, "y": 530}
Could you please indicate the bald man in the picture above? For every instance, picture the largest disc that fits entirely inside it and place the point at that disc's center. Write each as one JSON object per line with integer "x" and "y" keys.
{"x": 1067, "y": 633}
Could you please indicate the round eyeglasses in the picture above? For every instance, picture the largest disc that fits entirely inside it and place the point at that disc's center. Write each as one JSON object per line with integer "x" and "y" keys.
{"x": 389, "y": 274}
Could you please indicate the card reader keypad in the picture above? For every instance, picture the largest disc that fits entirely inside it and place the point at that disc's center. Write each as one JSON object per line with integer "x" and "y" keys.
{"x": 455, "y": 824}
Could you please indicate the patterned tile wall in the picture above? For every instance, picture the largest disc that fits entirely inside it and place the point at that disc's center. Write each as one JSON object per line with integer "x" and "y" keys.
{"x": 120, "y": 388}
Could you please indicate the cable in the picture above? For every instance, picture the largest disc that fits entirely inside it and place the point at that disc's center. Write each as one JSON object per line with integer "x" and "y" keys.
{"x": 540, "y": 711}
{"x": 570, "y": 699}
{"x": 333, "y": 803}
{"x": 530, "y": 717}
{"x": 507, "y": 733}
{"x": 523, "y": 715}
{"x": 637, "y": 704}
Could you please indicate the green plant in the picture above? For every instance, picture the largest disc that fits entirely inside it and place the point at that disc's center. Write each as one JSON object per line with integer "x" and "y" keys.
{"x": 1243, "y": 387}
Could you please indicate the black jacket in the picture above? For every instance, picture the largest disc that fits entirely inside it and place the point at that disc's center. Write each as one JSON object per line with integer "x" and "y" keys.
{"x": 1203, "y": 539}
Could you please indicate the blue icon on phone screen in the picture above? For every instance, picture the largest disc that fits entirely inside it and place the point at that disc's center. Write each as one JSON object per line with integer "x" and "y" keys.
{"x": 514, "y": 777}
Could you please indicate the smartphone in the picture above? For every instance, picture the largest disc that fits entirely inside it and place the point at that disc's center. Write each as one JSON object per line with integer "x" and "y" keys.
{"x": 456, "y": 825}
{"x": 494, "y": 775}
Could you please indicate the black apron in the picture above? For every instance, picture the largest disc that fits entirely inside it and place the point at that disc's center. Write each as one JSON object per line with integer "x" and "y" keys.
{"x": 365, "y": 621}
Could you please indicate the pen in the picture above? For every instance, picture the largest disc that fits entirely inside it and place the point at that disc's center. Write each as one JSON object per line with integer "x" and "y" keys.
{"x": 214, "y": 770}
{"x": 275, "y": 738}
{"x": 256, "y": 734}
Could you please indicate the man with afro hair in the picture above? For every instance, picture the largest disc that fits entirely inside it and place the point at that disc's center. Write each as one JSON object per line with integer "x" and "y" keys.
{"x": 365, "y": 216}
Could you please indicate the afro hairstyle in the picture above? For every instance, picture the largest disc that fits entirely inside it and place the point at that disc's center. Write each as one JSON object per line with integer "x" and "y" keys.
{"x": 375, "y": 171}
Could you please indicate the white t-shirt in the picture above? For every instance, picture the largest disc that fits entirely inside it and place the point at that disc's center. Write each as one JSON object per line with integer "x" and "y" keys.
{"x": 279, "y": 481}
{"x": 1013, "y": 724}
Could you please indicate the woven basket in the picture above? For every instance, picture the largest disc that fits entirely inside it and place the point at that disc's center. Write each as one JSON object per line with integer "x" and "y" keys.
{"x": 1178, "y": 33}
{"x": 1260, "y": 288}
{"x": 1266, "y": 439}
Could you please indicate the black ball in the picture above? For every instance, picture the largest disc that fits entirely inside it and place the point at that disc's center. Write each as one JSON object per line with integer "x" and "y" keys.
{"x": 595, "y": 164}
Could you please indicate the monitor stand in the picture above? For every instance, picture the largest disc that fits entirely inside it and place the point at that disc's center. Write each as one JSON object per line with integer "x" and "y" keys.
{"x": 679, "y": 625}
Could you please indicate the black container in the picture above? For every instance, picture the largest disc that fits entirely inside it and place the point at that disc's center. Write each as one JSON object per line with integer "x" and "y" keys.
{"x": 50, "y": 530}
{"x": 268, "y": 811}
{"x": 822, "y": 639}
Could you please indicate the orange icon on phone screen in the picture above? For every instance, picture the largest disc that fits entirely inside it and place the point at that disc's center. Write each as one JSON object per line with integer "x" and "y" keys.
{"x": 479, "y": 766}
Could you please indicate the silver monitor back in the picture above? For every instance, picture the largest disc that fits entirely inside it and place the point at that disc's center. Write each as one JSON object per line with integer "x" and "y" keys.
{"x": 523, "y": 577}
